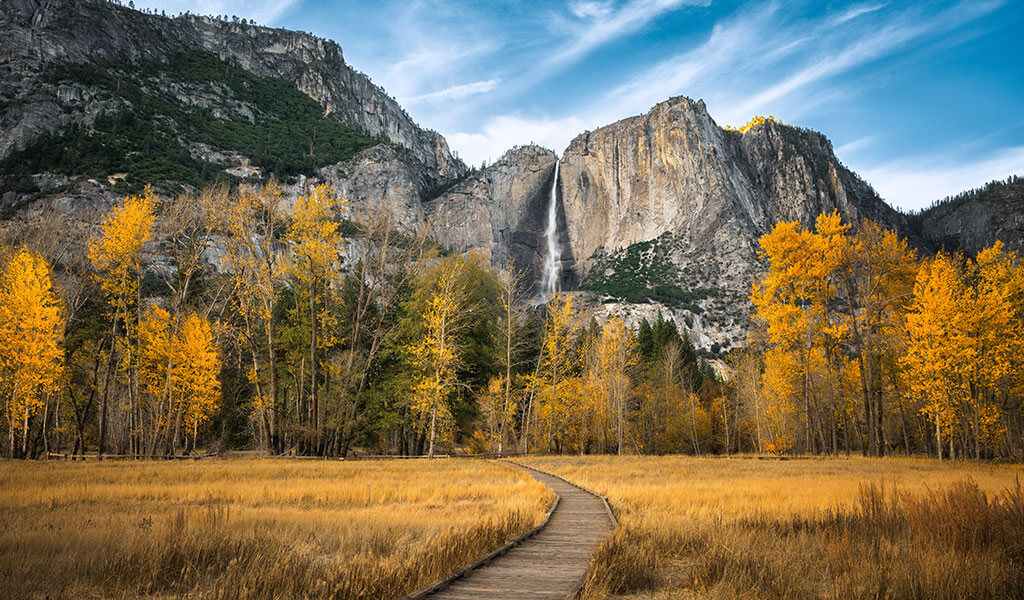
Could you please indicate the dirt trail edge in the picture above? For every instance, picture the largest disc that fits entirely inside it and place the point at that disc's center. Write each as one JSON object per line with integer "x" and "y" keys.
{"x": 549, "y": 562}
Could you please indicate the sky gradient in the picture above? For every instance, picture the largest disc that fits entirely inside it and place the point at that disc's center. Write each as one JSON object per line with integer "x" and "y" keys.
{"x": 922, "y": 99}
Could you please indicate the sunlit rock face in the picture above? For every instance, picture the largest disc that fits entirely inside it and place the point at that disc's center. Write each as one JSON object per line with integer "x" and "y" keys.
{"x": 670, "y": 192}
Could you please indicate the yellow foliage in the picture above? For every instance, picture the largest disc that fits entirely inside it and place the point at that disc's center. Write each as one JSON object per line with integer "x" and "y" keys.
{"x": 757, "y": 120}
{"x": 116, "y": 254}
{"x": 182, "y": 367}
{"x": 31, "y": 333}
{"x": 436, "y": 355}
{"x": 939, "y": 351}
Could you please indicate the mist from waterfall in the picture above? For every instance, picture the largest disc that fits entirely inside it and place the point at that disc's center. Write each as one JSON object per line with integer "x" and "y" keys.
{"x": 553, "y": 260}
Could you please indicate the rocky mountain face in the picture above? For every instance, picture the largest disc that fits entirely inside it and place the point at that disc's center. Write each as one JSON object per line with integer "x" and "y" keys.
{"x": 77, "y": 65}
{"x": 500, "y": 210}
{"x": 667, "y": 207}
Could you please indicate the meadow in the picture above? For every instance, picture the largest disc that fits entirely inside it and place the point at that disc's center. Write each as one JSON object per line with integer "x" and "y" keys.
{"x": 252, "y": 528}
{"x": 804, "y": 528}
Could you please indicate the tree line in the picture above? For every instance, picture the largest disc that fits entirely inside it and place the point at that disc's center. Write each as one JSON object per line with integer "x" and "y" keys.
{"x": 243, "y": 318}
{"x": 234, "y": 317}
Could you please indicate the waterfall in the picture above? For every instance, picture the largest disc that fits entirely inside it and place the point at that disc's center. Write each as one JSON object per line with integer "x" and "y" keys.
{"x": 553, "y": 261}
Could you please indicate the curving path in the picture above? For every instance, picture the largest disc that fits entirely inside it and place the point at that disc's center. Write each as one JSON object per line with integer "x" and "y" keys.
{"x": 551, "y": 564}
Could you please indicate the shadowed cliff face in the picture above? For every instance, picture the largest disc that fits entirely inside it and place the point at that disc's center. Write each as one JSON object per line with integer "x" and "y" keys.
{"x": 500, "y": 210}
{"x": 975, "y": 220}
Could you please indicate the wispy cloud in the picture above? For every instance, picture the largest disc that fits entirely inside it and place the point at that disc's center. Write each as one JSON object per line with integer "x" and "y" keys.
{"x": 586, "y": 10}
{"x": 265, "y": 12}
{"x": 763, "y": 44}
{"x": 855, "y": 11}
{"x": 455, "y": 91}
{"x": 855, "y": 145}
{"x": 597, "y": 24}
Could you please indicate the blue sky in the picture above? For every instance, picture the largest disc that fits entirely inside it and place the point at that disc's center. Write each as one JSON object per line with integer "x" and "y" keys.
{"x": 922, "y": 99}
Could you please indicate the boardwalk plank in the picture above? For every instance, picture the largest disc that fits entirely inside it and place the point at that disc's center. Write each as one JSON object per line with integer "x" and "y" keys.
{"x": 551, "y": 564}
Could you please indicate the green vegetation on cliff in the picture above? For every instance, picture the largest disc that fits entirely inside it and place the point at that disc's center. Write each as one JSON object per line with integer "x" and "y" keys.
{"x": 641, "y": 273}
{"x": 152, "y": 106}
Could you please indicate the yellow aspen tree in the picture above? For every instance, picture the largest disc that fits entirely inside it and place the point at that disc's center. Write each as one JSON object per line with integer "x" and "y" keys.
{"x": 616, "y": 355}
{"x": 998, "y": 335}
{"x": 182, "y": 367}
{"x": 939, "y": 349}
{"x": 781, "y": 300}
{"x": 878, "y": 281}
{"x": 781, "y": 382}
{"x": 498, "y": 405}
{"x": 558, "y": 361}
{"x": 436, "y": 356}
{"x": 197, "y": 373}
{"x": 117, "y": 257}
{"x": 316, "y": 244}
{"x": 156, "y": 367}
{"x": 252, "y": 220}
{"x": 31, "y": 333}
{"x": 831, "y": 251}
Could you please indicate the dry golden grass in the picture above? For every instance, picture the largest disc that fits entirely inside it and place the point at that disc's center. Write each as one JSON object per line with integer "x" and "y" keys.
{"x": 814, "y": 528}
{"x": 252, "y": 529}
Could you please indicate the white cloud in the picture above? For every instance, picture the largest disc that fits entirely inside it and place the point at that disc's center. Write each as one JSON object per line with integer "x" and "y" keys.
{"x": 855, "y": 145}
{"x": 425, "y": 62}
{"x": 501, "y": 133}
{"x": 855, "y": 11}
{"x": 586, "y": 10}
{"x": 455, "y": 91}
{"x": 265, "y": 12}
{"x": 602, "y": 27}
{"x": 916, "y": 182}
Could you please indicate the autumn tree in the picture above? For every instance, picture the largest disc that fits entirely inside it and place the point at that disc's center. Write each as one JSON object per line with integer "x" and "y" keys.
{"x": 559, "y": 360}
{"x": 512, "y": 315}
{"x": 31, "y": 334}
{"x": 614, "y": 358}
{"x": 437, "y": 355}
{"x": 877, "y": 282}
{"x": 316, "y": 243}
{"x": 939, "y": 351}
{"x": 253, "y": 220}
{"x": 782, "y": 299}
{"x": 385, "y": 265}
{"x": 116, "y": 256}
{"x": 996, "y": 328}
{"x": 180, "y": 369}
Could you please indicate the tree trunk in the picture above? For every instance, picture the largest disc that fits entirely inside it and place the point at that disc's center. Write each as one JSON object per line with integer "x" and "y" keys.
{"x": 433, "y": 425}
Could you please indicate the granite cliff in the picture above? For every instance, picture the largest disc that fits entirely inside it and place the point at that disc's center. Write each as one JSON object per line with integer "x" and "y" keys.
{"x": 667, "y": 207}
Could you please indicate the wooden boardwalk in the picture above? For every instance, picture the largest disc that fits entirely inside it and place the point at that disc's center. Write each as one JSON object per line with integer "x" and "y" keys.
{"x": 551, "y": 564}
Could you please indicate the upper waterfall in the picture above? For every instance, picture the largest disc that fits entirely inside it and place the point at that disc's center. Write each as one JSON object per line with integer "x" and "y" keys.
{"x": 553, "y": 260}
